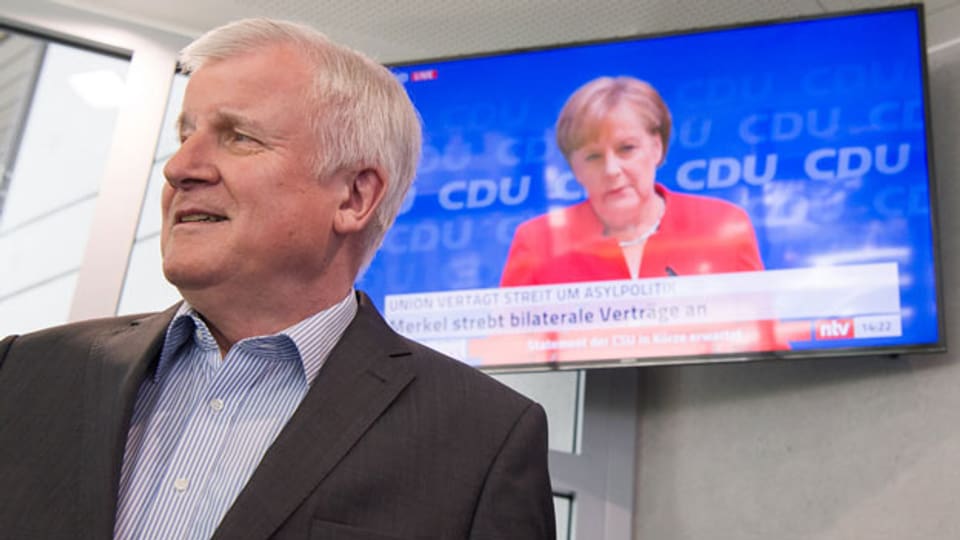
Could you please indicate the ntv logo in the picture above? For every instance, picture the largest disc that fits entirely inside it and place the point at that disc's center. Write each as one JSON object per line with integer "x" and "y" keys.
{"x": 834, "y": 329}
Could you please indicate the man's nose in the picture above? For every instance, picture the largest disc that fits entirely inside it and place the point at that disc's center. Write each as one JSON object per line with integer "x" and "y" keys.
{"x": 192, "y": 164}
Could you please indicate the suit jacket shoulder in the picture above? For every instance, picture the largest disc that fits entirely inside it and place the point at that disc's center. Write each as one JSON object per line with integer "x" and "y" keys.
{"x": 66, "y": 394}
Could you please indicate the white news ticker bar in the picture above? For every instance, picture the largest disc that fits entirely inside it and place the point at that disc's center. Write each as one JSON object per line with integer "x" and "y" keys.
{"x": 805, "y": 293}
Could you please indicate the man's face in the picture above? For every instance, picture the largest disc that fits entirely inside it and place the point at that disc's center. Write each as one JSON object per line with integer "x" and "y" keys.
{"x": 243, "y": 206}
{"x": 618, "y": 168}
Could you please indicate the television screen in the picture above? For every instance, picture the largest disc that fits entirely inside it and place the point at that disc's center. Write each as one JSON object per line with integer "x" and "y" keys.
{"x": 741, "y": 193}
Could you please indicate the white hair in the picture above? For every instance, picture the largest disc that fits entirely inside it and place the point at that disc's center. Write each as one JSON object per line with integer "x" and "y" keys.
{"x": 363, "y": 117}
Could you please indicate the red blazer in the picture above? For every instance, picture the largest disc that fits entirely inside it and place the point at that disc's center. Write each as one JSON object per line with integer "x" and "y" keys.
{"x": 697, "y": 235}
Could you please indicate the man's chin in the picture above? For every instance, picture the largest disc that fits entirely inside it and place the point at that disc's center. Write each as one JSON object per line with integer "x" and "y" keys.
{"x": 189, "y": 278}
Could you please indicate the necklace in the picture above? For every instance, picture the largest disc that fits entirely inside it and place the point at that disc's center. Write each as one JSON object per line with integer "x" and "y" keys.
{"x": 649, "y": 232}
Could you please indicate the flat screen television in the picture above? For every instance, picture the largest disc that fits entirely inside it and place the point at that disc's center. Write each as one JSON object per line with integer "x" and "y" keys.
{"x": 788, "y": 212}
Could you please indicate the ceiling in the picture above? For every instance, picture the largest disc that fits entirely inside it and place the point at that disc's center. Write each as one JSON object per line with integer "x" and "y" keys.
{"x": 396, "y": 30}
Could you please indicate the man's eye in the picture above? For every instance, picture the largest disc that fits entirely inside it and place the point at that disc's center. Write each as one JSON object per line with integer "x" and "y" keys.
{"x": 591, "y": 157}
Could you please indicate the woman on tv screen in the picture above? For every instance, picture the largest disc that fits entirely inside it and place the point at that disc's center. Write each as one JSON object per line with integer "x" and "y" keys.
{"x": 614, "y": 133}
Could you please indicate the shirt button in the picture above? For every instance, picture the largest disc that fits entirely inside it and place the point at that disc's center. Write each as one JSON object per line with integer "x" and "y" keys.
{"x": 181, "y": 484}
{"x": 216, "y": 404}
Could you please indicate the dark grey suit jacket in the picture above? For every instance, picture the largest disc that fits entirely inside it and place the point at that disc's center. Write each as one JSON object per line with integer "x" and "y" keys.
{"x": 393, "y": 441}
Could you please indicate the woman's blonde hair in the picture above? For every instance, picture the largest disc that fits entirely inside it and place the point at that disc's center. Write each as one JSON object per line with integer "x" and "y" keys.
{"x": 586, "y": 108}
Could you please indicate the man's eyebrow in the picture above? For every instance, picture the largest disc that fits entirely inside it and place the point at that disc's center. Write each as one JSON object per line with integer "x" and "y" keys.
{"x": 222, "y": 119}
{"x": 183, "y": 122}
{"x": 230, "y": 119}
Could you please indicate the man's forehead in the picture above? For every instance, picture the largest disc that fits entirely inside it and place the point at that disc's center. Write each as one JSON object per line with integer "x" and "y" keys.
{"x": 233, "y": 88}
{"x": 268, "y": 71}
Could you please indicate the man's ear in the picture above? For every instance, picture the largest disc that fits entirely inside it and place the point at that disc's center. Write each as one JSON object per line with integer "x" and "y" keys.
{"x": 364, "y": 192}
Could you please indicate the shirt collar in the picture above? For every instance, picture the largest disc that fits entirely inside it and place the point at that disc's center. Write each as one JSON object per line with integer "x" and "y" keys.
{"x": 313, "y": 337}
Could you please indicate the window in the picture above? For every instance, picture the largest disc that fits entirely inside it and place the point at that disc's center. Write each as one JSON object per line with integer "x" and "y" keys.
{"x": 58, "y": 107}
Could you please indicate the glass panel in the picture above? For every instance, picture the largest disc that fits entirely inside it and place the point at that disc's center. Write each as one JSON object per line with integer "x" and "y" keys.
{"x": 20, "y": 58}
{"x": 145, "y": 288}
{"x": 43, "y": 304}
{"x": 560, "y": 393}
{"x": 54, "y": 161}
{"x": 563, "y": 508}
{"x": 42, "y": 249}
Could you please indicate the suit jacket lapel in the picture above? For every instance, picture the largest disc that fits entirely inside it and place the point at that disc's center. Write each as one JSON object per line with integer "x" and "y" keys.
{"x": 356, "y": 385}
{"x": 116, "y": 366}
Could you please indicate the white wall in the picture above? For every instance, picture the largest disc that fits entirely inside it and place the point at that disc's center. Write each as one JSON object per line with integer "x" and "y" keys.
{"x": 864, "y": 448}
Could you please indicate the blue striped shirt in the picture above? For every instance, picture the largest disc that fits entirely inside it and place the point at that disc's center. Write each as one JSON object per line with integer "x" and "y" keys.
{"x": 202, "y": 423}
